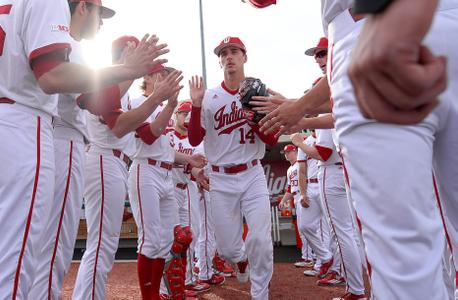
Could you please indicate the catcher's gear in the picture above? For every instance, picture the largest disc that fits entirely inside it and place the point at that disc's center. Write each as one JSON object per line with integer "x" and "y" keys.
{"x": 250, "y": 87}
{"x": 174, "y": 271}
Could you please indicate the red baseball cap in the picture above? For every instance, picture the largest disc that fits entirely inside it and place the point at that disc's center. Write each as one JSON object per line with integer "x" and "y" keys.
{"x": 184, "y": 106}
{"x": 289, "y": 148}
{"x": 228, "y": 42}
{"x": 261, "y": 3}
{"x": 121, "y": 42}
{"x": 106, "y": 12}
{"x": 322, "y": 45}
{"x": 159, "y": 68}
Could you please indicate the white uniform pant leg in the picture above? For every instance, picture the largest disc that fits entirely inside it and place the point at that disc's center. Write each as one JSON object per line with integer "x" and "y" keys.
{"x": 306, "y": 251}
{"x": 309, "y": 224}
{"x": 206, "y": 243}
{"x": 259, "y": 246}
{"x": 62, "y": 227}
{"x": 26, "y": 193}
{"x": 341, "y": 222}
{"x": 105, "y": 192}
{"x": 193, "y": 195}
{"x": 155, "y": 209}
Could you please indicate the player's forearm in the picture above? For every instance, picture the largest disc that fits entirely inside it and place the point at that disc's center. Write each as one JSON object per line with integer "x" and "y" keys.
{"x": 315, "y": 98}
{"x": 321, "y": 122}
{"x": 181, "y": 158}
{"x": 132, "y": 119}
{"x": 160, "y": 124}
{"x": 286, "y": 197}
{"x": 311, "y": 151}
{"x": 303, "y": 178}
{"x": 75, "y": 78}
{"x": 322, "y": 109}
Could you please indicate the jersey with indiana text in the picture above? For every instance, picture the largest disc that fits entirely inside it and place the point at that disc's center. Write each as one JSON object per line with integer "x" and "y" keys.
{"x": 293, "y": 178}
{"x": 229, "y": 140}
{"x": 181, "y": 145}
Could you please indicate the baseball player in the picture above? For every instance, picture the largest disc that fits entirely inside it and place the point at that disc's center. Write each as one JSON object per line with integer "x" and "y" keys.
{"x": 162, "y": 242}
{"x": 106, "y": 171}
{"x": 238, "y": 185}
{"x": 292, "y": 176}
{"x": 70, "y": 133}
{"x": 392, "y": 183}
{"x": 34, "y": 48}
{"x": 188, "y": 196}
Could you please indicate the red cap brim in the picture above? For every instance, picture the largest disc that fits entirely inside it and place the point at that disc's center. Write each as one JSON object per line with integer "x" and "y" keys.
{"x": 221, "y": 47}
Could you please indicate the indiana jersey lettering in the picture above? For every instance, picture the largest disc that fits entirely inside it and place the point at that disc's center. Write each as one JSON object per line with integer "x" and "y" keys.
{"x": 227, "y": 132}
{"x": 293, "y": 178}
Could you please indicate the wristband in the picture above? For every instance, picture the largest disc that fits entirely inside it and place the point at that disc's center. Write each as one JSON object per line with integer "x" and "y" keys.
{"x": 370, "y": 6}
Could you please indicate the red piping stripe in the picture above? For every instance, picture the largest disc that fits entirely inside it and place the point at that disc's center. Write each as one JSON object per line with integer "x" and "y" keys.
{"x": 56, "y": 243}
{"x": 140, "y": 206}
{"x": 358, "y": 221}
{"x": 100, "y": 228}
{"x": 332, "y": 223}
{"x": 29, "y": 217}
{"x": 439, "y": 203}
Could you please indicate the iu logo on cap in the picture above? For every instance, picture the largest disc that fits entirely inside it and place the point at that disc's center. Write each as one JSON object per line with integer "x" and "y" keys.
{"x": 226, "y": 40}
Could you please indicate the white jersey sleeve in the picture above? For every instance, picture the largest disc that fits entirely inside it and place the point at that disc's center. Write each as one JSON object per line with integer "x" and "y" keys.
{"x": 325, "y": 139}
{"x": 28, "y": 29}
{"x": 228, "y": 140}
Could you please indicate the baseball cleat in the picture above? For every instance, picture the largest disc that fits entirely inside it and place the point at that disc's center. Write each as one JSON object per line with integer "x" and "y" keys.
{"x": 311, "y": 273}
{"x": 242, "y": 271}
{"x": 333, "y": 279}
{"x": 302, "y": 263}
{"x": 350, "y": 296}
{"x": 325, "y": 268}
{"x": 214, "y": 280}
{"x": 198, "y": 287}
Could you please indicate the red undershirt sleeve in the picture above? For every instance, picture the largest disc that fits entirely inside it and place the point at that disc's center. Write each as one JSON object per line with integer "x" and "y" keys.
{"x": 48, "y": 61}
{"x": 195, "y": 131}
{"x": 102, "y": 102}
{"x": 268, "y": 139}
{"x": 144, "y": 133}
{"x": 324, "y": 152}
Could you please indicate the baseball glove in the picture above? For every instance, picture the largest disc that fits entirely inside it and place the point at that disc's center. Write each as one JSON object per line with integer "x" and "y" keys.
{"x": 250, "y": 87}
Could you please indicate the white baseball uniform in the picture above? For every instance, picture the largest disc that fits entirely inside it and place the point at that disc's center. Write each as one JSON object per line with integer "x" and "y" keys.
{"x": 188, "y": 197}
{"x": 338, "y": 210}
{"x": 28, "y": 29}
{"x": 70, "y": 131}
{"x": 206, "y": 244}
{"x": 106, "y": 173}
{"x": 237, "y": 185}
{"x": 152, "y": 193}
{"x": 309, "y": 219}
{"x": 390, "y": 169}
